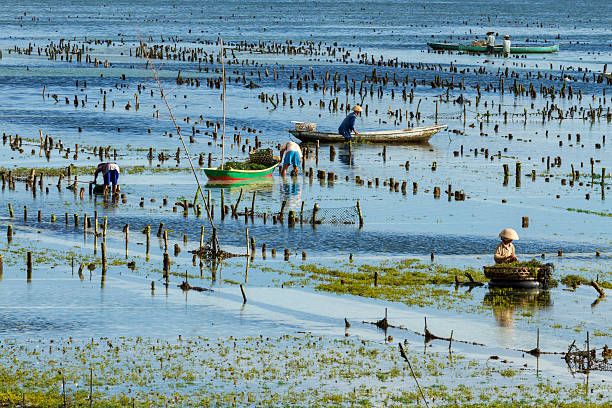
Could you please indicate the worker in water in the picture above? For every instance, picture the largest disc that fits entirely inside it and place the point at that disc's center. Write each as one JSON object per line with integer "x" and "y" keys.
{"x": 490, "y": 42}
{"x": 290, "y": 154}
{"x": 110, "y": 174}
{"x": 348, "y": 124}
{"x": 506, "y": 45}
{"x": 504, "y": 253}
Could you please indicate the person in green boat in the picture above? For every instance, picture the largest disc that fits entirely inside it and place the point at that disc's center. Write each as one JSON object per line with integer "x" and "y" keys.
{"x": 505, "y": 253}
{"x": 506, "y": 45}
{"x": 490, "y": 42}
{"x": 290, "y": 154}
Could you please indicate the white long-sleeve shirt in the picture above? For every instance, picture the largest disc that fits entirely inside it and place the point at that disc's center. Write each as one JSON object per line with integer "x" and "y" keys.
{"x": 506, "y": 46}
{"x": 491, "y": 40}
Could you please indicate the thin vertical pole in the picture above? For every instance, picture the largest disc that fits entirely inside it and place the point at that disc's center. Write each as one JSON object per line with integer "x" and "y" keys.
{"x": 223, "y": 133}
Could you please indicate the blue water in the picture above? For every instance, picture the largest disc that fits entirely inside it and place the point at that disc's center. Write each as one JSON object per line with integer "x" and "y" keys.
{"x": 460, "y": 233}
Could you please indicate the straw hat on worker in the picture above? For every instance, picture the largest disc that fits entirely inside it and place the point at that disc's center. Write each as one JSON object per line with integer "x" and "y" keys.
{"x": 505, "y": 252}
{"x": 357, "y": 108}
{"x": 509, "y": 233}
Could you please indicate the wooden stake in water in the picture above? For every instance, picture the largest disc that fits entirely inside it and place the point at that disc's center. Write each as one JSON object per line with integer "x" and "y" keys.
{"x": 127, "y": 233}
{"x": 29, "y": 266}
{"x": 244, "y": 299}
{"x": 247, "y": 241}
{"x": 360, "y": 215}
{"x": 103, "y": 250}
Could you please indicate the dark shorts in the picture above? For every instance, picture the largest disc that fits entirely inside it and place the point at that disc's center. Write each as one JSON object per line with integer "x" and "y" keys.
{"x": 112, "y": 176}
{"x": 490, "y": 50}
{"x": 292, "y": 157}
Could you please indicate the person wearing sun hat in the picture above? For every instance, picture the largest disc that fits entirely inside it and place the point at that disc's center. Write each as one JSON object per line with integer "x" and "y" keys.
{"x": 506, "y": 45}
{"x": 504, "y": 253}
{"x": 348, "y": 124}
{"x": 490, "y": 42}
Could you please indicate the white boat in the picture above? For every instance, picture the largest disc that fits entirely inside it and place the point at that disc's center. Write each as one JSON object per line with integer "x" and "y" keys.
{"x": 415, "y": 135}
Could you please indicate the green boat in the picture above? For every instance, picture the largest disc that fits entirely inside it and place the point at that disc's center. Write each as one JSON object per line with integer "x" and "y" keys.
{"x": 234, "y": 174}
{"x": 547, "y": 49}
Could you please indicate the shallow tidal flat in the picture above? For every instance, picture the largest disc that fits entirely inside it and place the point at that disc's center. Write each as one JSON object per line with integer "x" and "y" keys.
{"x": 104, "y": 301}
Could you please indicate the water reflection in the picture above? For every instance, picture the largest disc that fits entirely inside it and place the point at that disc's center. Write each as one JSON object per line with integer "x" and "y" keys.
{"x": 264, "y": 185}
{"x": 346, "y": 154}
{"x": 291, "y": 192}
{"x": 505, "y": 301}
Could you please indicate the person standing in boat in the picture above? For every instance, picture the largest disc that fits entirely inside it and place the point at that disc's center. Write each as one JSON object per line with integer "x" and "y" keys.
{"x": 290, "y": 154}
{"x": 348, "y": 124}
{"x": 110, "y": 174}
{"x": 490, "y": 42}
{"x": 505, "y": 253}
{"x": 506, "y": 45}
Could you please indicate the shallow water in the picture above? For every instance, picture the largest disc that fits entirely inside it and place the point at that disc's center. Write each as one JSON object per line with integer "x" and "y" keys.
{"x": 460, "y": 233}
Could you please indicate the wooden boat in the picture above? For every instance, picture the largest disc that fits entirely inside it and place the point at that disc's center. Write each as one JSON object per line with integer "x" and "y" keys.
{"x": 234, "y": 174}
{"x": 414, "y": 135}
{"x": 546, "y": 49}
{"x": 444, "y": 46}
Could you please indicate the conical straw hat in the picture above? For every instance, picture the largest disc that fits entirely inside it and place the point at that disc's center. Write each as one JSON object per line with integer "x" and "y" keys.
{"x": 509, "y": 233}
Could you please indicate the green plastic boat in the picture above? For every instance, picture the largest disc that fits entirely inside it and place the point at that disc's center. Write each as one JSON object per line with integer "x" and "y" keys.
{"x": 234, "y": 174}
{"x": 547, "y": 49}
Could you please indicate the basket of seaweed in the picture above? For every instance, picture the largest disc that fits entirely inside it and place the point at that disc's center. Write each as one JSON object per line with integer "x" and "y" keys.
{"x": 305, "y": 127}
{"x": 263, "y": 157}
{"x": 518, "y": 271}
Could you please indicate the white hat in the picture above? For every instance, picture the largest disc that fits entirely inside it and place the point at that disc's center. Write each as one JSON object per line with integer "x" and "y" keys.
{"x": 509, "y": 233}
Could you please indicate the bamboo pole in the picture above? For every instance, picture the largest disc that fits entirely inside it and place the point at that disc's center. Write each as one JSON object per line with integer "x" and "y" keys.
{"x": 178, "y": 130}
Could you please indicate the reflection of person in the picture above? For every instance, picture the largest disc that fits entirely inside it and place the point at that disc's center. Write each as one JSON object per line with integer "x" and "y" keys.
{"x": 110, "y": 174}
{"x": 348, "y": 124}
{"x": 490, "y": 42}
{"x": 291, "y": 193}
{"x": 345, "y": 154}
{"x": 504, "y": 316}
{"x": 290, "y": 154}
{"x": 506, "y": 45}
{"x": 504, "y": 253}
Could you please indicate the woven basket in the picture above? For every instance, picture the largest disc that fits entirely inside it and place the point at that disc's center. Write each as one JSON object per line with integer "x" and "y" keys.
{"x": 262, "y": 156}
{"x": 511, "y": 273}
{"x": 305, "y": 127}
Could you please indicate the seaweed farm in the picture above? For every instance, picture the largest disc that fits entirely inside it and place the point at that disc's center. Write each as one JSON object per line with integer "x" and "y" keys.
{"x": 365, "y": 277}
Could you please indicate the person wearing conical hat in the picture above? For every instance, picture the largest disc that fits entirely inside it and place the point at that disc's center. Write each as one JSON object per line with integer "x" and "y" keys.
{"x": 506, "y": 45}
{"x": 504, "y": 253}
{"x": 348, "y": 124}
{"x": 490, "y": 42}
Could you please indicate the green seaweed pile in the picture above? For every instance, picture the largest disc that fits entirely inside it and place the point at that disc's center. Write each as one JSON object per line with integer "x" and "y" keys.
{"x": 243, "y": 166}
{"x": 534, "y": 263}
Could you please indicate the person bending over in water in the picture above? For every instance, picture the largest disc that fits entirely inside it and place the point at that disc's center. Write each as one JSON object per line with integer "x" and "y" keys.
{"x": 348, "y": 124}
{"x": 290, "y": 154}
{"x": 504, "y": 253}
{"x": 110, "y": 174}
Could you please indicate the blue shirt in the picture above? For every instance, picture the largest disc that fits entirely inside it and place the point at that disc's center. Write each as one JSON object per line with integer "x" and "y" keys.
{"x": 348, "y": 124}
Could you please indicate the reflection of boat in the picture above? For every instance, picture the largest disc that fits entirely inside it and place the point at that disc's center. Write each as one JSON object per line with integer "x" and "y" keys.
{"x": 521, "y": 298}
{"x": 504, "y": 301}
{"x": 235, "y": 175}
{"x": 259, "y": 184}
{"x": 546, "y": 49}
{"x": 415, "y": 135}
